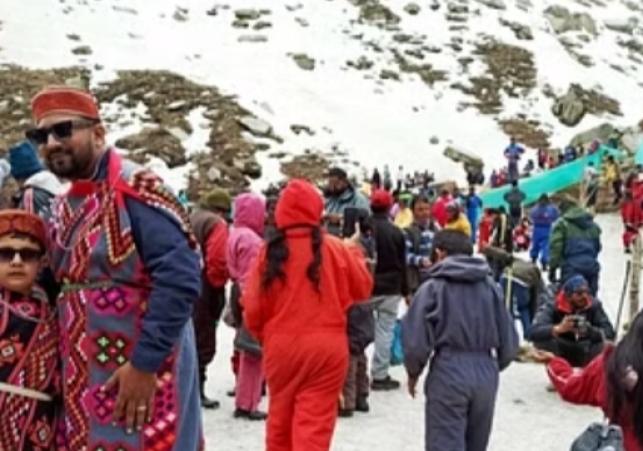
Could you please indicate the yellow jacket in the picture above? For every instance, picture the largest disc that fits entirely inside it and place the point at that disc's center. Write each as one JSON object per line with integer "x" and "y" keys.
{"x": 404, "y": 218}
{"x": 611, "y": 172}
{"x": 461, "y": 224}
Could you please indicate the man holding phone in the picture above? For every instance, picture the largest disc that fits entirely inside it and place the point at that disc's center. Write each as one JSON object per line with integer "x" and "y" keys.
{"x": 572, "y": 324}
{"x": 339, "y": 195}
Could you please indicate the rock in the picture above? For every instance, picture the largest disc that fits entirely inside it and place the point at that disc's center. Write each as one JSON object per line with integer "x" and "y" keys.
{"x": 247, "y": 14}
{"x": 214, "y": 174}
{"x": 626, "y": 26}
{"x": 82, "y": 50}
{"x": 176, "y": 106}
{"x": 212, "y": 11}
{"x": 178, "y": 133}
{"x": 387, "y": 74}
{"x": 569, "y": 109}
{"x": 494, "y": 4}
{"x": 299, "y": 129}
{"x": 412, "y": 9}
{"x": 434, "y": 140}
{"x": 362, "y": 63}
{"x": 372, "y": 11}
{"x": 434, "y": 6}
{"x": 295, "y": 7}
{"x": 456, "y": 18}
{"x": 255, "y": 126}
{"x": 465, "y": 157}
{"x": 180, "y": 15}
{"x": 155, "y": 141}
{"x": 455, "y": 8}
{"x": 561, "y": 20}
{"x": 600, "y": 133}
{"x": 522, "y": 32}
{"x": 125, "y": 9}
{"x": 252, "y": 38}
{"x": 304, "y": 61}
{"x": 252, "y": 169}
{"x": 73, "y": 37}
{"x": 240, "y": 24}
{"x": 301, "y": 21}
{"x": 262, "y": 24}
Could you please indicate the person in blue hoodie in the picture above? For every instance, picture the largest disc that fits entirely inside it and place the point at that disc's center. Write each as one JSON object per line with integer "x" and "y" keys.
{"x": 542, "y": 216}
{"x": 574, "y": 246}
{"x": 513, "y": 152}
{"x": 473, "y": 206}
{"x": 458, "y": 319}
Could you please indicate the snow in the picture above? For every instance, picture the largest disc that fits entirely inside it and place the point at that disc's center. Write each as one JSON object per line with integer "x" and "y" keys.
{"x": 377, "y": 122}
{"x": 528, "y": 417}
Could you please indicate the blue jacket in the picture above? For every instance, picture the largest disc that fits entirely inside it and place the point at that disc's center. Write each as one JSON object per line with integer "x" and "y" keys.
{"x": 543, "y": 217}
{"x": 473, "y": 204}
{"x": 575, "y": 242}
{"x": 513, "y": 152}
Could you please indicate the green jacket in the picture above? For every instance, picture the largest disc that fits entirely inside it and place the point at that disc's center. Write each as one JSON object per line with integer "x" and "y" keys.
{"x": 575, "y": 242}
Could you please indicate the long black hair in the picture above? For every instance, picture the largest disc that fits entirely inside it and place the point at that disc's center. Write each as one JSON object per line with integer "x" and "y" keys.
{"x": 277, "y": 254}
{"x": 624, "y": 397}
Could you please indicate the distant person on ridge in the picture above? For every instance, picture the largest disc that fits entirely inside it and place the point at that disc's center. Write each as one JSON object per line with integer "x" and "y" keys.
{"x": 515, "y": 198}
{"x": 513, "y": 152}
{"x": 574, "y": 246}
{"x": 542, "y": 216}
{"x": 340, "y": 195}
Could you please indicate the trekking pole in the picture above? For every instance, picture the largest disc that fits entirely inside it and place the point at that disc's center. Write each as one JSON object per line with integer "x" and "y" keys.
{"x": 626, "y": 281}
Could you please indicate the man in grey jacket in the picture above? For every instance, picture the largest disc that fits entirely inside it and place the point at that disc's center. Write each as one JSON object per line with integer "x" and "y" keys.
{"x": 458, "y": 316}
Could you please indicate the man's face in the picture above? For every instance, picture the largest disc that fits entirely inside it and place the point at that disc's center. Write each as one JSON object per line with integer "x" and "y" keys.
{"x": 452, "y": 213}
{"x": 422, "y": 212}
{"x": 336, "y": 185}
{"x": 72, "y": 145}
{"x": 578, "y": 299}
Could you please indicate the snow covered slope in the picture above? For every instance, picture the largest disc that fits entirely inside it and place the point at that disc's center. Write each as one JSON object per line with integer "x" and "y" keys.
{"x": 388, "y": 81}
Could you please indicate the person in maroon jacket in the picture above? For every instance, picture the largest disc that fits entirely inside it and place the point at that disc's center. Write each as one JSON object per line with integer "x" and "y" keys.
{"x": 211, "y": 231}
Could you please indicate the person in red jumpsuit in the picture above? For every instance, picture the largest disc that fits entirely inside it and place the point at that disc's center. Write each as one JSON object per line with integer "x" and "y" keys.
{"x": 296, "y": 302}
{"x": 632, "y": 220}
{"x": 611, "y": 382}
{"x": 485, "y": 228}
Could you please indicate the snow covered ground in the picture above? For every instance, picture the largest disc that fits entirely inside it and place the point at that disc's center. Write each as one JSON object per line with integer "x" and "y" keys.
{"x": 528, "y": 418}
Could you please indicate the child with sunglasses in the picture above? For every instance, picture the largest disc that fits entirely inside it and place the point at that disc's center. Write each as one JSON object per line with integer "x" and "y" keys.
{"x": 28, "y": 337}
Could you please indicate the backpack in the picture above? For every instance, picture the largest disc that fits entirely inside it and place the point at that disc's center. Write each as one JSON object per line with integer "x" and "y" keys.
{"x": 599, "y": 437}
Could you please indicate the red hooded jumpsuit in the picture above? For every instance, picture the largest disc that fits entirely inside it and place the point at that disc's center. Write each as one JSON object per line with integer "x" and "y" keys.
{"x": 302, "y": 330}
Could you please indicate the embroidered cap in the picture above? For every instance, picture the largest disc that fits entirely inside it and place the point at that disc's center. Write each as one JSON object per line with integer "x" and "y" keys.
{"x": 66, "y": 100}
{"x": 20, "y": 221}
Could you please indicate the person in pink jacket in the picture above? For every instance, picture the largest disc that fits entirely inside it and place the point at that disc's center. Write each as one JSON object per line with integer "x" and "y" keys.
{"x": 244, "y": 242}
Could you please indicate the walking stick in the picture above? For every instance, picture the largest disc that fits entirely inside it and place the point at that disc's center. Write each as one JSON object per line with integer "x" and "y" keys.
{"x": 626, "y": 281}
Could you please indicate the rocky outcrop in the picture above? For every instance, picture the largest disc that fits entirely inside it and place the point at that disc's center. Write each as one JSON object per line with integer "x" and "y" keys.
{"x": 522, "y": 32}
{"x": 561, "y": 20}
{"x": 600, "y": 133}
{"x": 625, "y": 26}
{"x": 465, "y": 157}
{"x": 569, "y": 109}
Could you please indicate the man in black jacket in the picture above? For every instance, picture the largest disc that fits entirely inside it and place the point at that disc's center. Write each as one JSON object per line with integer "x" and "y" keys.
{"x": 390, "y": 286}
{"x": 573, "y": 324}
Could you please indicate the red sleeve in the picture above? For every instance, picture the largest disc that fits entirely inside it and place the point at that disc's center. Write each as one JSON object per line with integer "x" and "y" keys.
{"x": 360, "y": 280}
{"x": 252, "y": 299}
{"x": 583, "y": 386}
{"x": 216, "y": 269}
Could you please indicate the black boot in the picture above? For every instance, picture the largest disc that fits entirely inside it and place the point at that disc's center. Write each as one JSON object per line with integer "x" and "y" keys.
{"x": 361, "y": 404}
{"x": 206, "y": 402}
{"x": 248, "y": 415}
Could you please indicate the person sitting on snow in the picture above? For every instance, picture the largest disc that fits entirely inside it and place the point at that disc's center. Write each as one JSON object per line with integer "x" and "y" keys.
{"x": 522, "y": 235}
{"x": 573, "y": 324}
{"x": 542, "y": 216}
{"x": 632, "y": 220}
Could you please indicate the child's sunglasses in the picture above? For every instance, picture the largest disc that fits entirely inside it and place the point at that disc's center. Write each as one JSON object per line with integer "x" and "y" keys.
{"x": 27, "y": 255}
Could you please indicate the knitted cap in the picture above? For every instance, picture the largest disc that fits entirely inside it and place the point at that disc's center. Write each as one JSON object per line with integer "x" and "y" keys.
{"x": 217, "y": 199}
{"x": 575, "y": 284}
{"x": 24, "y": 161}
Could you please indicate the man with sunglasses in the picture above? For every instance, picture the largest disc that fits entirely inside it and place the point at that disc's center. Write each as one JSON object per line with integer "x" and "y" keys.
{"x": 129, "y": 270}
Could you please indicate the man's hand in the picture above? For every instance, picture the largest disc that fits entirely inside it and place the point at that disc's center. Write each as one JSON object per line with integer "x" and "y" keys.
{"x": 408, "y": 299}
{"x": 425, "y": 262}
{"x": 567, "y": 325}
{"x": 135, "y": 399}
{"x": 542, "y": 356}
{"x": 411, "y": 386}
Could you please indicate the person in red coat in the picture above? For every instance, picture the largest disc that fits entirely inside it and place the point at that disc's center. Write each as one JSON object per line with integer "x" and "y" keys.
{"x": 632, "y": 220}
{"x": 440, "y": 207}
{"x": 485, "y": 228}
{"x": 610, "y": 381}
{"x": 295, "y": 304}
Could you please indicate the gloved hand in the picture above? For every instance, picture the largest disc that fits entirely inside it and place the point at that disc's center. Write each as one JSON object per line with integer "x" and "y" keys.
{"x": 552, "y": 275}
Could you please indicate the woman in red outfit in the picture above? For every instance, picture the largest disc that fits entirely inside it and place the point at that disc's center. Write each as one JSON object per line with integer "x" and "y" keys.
{"x": 611, "y": 381}
{"x": 632, "y": 218}
{"x": 295, "y": 304}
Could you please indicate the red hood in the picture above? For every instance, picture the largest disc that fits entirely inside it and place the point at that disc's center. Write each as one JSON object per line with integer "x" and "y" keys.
{"x": 299, "y": 205}
{"x": 563, "y": 306}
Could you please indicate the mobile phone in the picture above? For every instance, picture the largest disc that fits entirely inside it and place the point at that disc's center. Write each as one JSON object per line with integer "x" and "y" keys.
{"x": 351, "y": 216}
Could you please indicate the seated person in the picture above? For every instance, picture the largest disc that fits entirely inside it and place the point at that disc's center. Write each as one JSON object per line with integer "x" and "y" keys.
{"x": 572, "y": 325}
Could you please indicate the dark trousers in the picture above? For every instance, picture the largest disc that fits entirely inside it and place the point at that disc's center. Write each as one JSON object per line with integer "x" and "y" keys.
{"x": 206, "y": 315}
{"x": 356, "y": 383}
{"x": 577, "y": 353}
{"x": 460, "y": 393}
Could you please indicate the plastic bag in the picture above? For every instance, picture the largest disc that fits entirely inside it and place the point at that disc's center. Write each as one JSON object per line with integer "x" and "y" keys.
{"x": 599, "y": 437}
{"x": 397, "y": 354}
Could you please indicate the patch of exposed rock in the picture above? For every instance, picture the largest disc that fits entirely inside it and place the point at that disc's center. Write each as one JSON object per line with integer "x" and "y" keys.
{"x": 510, "y": 71}
{"x": 571, "y": 108}
{"x": 528, "y": 132}
{"x": 154, "y": 141}
{"x": 522, "y": 32}
{"x": 625, "y": 26}
{"x": 426, "y": 72}
{"x": 561, "y": 20}
{"x": 494, "y": 4}
{"x": 304, "y": 61}
{"x": 374, "y": 12}
{"x": 312, "y": 166}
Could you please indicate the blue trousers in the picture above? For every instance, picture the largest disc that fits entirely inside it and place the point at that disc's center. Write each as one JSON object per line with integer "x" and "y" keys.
{"x": 540, "y": 245}
{"x": 473, "y": 220}
{"x": 520, "y": 303}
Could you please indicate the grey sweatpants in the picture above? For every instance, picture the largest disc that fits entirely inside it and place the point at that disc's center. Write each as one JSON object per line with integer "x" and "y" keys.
{"x": 385, "y": 310}
{"x": 460, "y": 394}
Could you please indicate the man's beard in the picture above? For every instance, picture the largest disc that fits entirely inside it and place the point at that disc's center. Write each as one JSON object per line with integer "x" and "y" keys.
{"x": 66, "y": 164}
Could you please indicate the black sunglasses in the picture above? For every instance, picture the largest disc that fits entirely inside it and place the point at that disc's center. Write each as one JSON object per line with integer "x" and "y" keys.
{"x": 27, "y": 255}
{"x": 61, "y": 131}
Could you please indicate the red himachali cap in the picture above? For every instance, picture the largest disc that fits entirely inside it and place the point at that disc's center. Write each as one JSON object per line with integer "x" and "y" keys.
{"x": 65, "y": 100}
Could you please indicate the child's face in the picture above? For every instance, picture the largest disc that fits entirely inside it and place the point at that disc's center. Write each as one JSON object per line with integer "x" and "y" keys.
{"x": 20, "y": 262}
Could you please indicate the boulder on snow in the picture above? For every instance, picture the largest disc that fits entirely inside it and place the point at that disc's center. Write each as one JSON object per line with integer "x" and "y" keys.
{"x": 465, "y": 157}
{"x": 255, "y": 126}
{"x": 626, "y": 26}
{"x": 412, "y": 9}
{"x": 522, "y": 32}
{"x": 561, "y": 20}
{"x": 494, "y": 4}
{"x": 599, "y": 133}
{"x": 569, "y": 109}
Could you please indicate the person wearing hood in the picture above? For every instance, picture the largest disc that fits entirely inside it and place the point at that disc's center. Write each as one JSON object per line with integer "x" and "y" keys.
{"x": 459, "y": 320}
{"x": 456, "y": 220}
{"x": 611, "y": 382}
{"x": 573, "y": 324}
{"x": 440, "y": 207}
{"x": 514, "y": 198}
{"x": 38, "y": 187}
{"x": 295, "y": 304}
{"x": 574, "y": 246}
{"x": 211, "y": 232}
{"x": 542, "y": 217}
{"x": 473, "y": 207}
{"x": 244, "y": 243}
{"x": 340, "y": 195}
